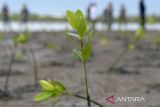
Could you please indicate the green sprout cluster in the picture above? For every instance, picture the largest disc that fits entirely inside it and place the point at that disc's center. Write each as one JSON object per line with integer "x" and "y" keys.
{"x": 50, "y": 89}
{"x": 139, "y": 35}
{"x": 78, "y": 23}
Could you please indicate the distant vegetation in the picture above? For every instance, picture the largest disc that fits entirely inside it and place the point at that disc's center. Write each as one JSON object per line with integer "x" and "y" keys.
{"x": 35, "y": 17}
{"x": 48, "y": 18}
{"x": 133, "y": 19}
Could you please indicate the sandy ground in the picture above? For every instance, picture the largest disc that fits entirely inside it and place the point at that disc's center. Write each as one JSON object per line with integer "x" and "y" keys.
{"x": 137, "y": 74}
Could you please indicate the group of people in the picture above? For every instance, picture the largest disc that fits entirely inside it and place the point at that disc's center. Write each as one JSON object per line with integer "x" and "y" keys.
{"x": 91, "y": 12}
{"x": 108, "y": 14}
{"x": 5, "y": 12}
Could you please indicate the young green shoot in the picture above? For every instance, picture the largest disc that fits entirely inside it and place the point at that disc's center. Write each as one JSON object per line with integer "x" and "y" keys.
{"x": 20, "y": 39}
{"x": 79, "y": 24}
{"x": 52, "y": 89}
{"x": 139, "y": 35}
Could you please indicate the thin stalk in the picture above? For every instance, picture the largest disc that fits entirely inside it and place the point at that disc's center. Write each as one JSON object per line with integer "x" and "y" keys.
{"x": 9, "y": 69}
{"x": 120, "y": 57}
{"x": 94, "y": 102}
{"x": 84, "y": 98}
{"x": 10, "y": 64}
{"x": 34, "y": 65}
{"x": 86, "y": 79}
{"x": 35, "y": 68}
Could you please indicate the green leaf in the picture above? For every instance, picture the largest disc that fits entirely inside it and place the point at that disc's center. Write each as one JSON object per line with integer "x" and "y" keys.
{"x": 73, "y": 35}
{"x": 78, "y": 54}
{"x": 59, "y": 87}
{"x": 51, "y": 89}
{"x": 71, "y": 17}
{"x": 89, "y": 36}
{"x": 22, "y": 39}
{"x": 131, "y": 46}
{"x": 81, "y": 23}
{"x": 19, "y": 56}
{"x": 77, "y": 21}
{"x": 42, "y": 96}
{"x": 138, "y": 35}
{"x": 46, "y": 85}
{"x": 82, "y": 26}
{"x": 86, "y": 52}
{"x": 56, "y": 83}
{"x": 103, "y": 41}
{"x": 79, "y": 13}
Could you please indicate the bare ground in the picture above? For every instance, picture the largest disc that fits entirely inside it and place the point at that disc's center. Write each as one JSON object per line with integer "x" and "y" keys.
{"x": 137, "y": 74}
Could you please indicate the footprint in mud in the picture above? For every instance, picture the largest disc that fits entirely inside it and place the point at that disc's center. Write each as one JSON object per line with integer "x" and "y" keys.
{"x": 58, "y": 64}
{"x": 3, "y": 72}
{"x": 6, "y": 95}
{"x": 26, "y": 89}
{"x": 119, "y": 70}
{"x": 18, "y": 92}
{"x": 123, "y": 71}
{"x": 59, "y": 61}
{"x": 155, "y": 87}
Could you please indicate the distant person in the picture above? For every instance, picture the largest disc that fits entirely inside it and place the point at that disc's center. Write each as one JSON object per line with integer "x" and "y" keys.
{"x": 108, "y": 14}
{"x": 142, "y": 13}
{"x": 92, "y": 14}
{"x": 24, "y": 14}
{"x": 5, "y": 16}
{"x": 122, "y": 15}
{"x": 24, "y": 18}
{"x": 88, "y": 13}
{"x": 5, "y": 13}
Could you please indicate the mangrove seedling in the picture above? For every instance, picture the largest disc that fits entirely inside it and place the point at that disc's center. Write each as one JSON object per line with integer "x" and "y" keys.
{"x": 52, "y": 89}
{"x": 20, "y": 39}
{"x": 23, "y": 39}
{"x": 6, "y": 85}
{"x": 78, "y": 23}
{"x": 139, "y": 35}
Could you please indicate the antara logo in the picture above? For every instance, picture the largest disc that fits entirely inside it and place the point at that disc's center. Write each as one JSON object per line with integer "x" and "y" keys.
{"x": 113, "y": 99}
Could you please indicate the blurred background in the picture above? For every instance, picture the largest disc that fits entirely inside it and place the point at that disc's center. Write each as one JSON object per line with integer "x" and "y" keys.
{"x": 52, "y": 16}
{"x": 125, "y": 51}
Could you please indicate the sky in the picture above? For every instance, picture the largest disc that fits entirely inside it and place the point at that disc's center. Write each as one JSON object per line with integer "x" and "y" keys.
{"x": 58, "y": 7}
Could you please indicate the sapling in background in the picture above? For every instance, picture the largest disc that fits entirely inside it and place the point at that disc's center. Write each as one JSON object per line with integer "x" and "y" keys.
{"x": 54, "y": 90}
{"x": 157, "y": 43}
{"x": 103, "y": 41}
{"x": 21, "y": 38}
{"x": 24, "y": 39}
{"x": 139, "y": 35}
{"x": 35, "y": 68}
{"x": 10, "y": 65}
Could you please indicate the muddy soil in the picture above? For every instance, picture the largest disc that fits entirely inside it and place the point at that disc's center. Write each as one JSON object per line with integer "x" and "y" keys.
{"x": 136, "y": 75}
